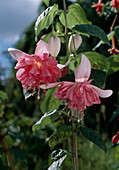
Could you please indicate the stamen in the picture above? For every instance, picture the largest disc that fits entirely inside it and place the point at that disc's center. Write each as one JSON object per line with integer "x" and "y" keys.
{"x": 38, "y": 97}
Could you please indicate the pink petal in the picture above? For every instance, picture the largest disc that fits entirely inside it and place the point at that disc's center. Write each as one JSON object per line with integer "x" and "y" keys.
{"x": 102, "y": 93}
{"x": 16, "y": 53}
{"x": 50, "y": 85}
{"x": 82, "y": 74}
{"x": 66, "y": 64}
{"x": 42, "y": 48}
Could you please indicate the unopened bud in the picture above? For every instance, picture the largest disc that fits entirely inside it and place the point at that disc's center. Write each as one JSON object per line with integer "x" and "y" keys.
{"x": 74, "y": 42}
{"x": 55, "y": 45}
{"x": 115, "y": 139}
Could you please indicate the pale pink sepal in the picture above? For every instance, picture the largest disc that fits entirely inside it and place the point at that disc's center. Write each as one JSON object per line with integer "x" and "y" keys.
{"x": 41, "y": 48}
{"x": 82, "y": 74}
{"x": 102, "y": 93}
{"x": 50, "y": 85}
{"x": 66, "y": 64}
{"x": 16, "y": 53}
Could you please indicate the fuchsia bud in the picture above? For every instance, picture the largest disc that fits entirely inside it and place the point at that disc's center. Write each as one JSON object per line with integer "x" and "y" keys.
{"x": 74, "y": 42}
{"x": 55, "y": 45}
{"x": 115, "y": 139}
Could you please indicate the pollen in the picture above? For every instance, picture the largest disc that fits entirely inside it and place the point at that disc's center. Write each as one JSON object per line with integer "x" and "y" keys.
{"x": 38, "y": 64}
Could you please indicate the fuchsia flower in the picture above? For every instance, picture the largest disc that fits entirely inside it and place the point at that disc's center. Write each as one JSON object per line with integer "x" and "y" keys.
{"x": 99, "y": 7}
{"x": 80, "y": 93}
{"x": 115, "y": 4}
{"x": 36, "y": 69}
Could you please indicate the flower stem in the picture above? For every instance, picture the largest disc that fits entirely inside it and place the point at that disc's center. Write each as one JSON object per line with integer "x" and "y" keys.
{"x": 66, "y": 30}
{"x": 5, "y": 146}
{"x": 75, "y": 151}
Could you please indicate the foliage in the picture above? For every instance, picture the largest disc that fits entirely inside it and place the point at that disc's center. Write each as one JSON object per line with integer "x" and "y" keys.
{"x": 56, "y": 124}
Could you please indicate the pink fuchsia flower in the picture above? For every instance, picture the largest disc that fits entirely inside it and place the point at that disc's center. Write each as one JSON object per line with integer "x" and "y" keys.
{"x": 80, "y": 93}
{"x": 36, "y": 69}
{"x": 99, "y": 7}
{"x": 115, "y": 4}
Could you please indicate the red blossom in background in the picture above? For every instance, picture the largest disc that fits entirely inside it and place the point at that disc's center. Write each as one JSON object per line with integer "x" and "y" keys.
{"x": 38, "y": 68}
{"x": 115, "y": 4}
{"x": 115, "y": 138}
{"x": 113, "y": 51}
{"x": 99, "y": 7}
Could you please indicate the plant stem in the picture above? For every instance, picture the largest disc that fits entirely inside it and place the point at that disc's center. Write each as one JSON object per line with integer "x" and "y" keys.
{"x": 75, "y": 152}
{"x": 115, "y": 18}
{"x": 5, "y": 146}
{"x": 66, "y": 30}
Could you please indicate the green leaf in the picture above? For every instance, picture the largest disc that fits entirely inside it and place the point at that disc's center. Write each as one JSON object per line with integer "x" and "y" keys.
{"x": 93, "y": 137}
{"x": 28, "y": 93}
{"x": 46, "y": 2}
{"x": 57, "y": 164}
{"x": 60, "y": 135}
{"x": 114, "y": 115}
{"x": 92, "y": 30}
{"x": 99, "y": 77}
{"x": 98, "y": 61}
{"x": 50, "y": 103}
{"x": 110, "y": 35}
{"x": 48, "y": 118}
{"x": 3, "y": 97}
{"x": 114, "y": 64}
{"x": 116, "y": 29}
{"x": 75, "y": 16}
{"x": 56, "y": 154}
{"x": 45, "y": 19}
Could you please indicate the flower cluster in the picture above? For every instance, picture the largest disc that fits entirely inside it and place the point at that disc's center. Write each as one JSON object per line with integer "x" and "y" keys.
{"x": 41, "y": 71}
{"x": 115, "y": 4}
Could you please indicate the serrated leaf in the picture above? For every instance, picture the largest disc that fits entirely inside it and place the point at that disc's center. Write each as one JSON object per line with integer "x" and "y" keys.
{"x": 57, "y": 154}
{"x": 48, "y": 118}
{"x": 92, "y": 30}
{"x": 116, "y": 29}
{"x": 57, "y": 164}
{"x": 45, "y": 19}
{"x": 60, "y": 135}
{"x": 114, "y": 115}
{"x": 75, "y": 15}
{"x": 50, "y": 103}
{"x": 98, "y": 61}
{"x": 110, "y": 35}
{"x": 93, "y": 137}
{"x": 114, "y": 64}
{"x": 46, "y": 2}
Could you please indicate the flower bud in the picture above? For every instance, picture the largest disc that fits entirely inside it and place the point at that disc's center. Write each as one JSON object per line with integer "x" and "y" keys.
{"x": 74, "y": 42}
{"x": 115, "y": 139}
{"x": 55, "y": 45}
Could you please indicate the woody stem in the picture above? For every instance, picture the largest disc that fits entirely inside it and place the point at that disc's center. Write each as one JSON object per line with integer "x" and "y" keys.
{"x": 75, "y": 151}
{"x": 5, "y": 146}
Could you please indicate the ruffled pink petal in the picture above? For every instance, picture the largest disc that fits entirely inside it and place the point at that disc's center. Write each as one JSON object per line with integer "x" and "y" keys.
{"x": 42, "y": 48}
{"x": 82, "y": 74}
{"x": 16, "y": 53}
{"x": 50, "y": 85}
{"x": 102, "y": 93}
